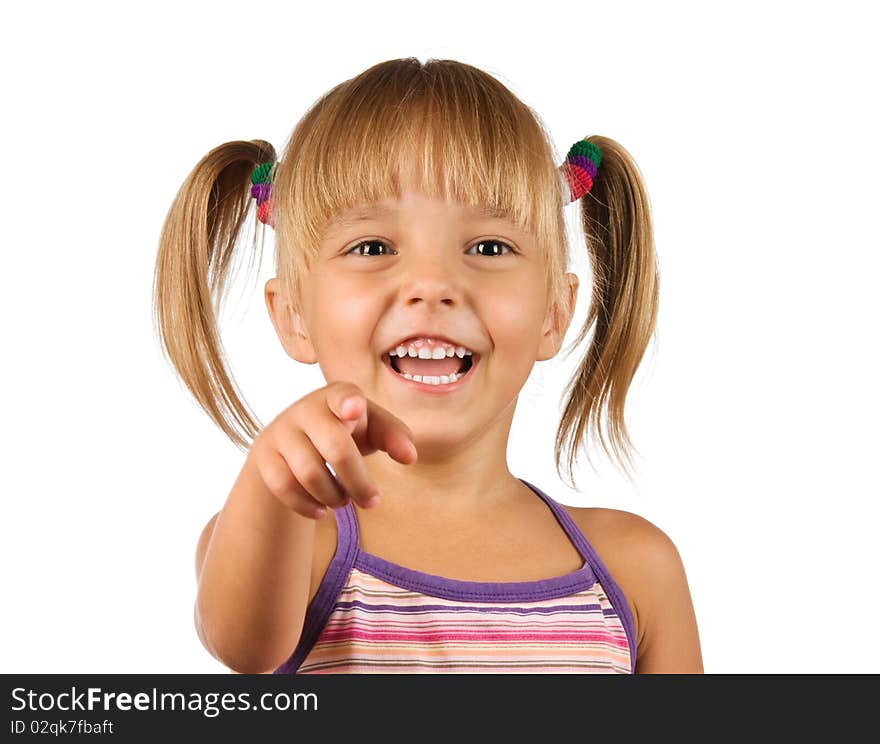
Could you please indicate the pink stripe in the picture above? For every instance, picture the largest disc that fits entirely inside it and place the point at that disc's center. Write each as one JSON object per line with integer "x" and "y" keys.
{"x": 465, "y": 636}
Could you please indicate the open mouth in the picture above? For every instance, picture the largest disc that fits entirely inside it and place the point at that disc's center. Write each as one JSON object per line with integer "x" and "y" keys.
{"x": 432, "y": 372}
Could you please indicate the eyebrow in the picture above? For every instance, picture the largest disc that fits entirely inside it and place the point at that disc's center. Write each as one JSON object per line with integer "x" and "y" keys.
{"x": 363, "y": 214}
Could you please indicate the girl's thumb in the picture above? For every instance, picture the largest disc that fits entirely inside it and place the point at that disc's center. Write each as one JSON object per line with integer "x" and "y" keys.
{"x": 350, "y": 407}
{"x": 352, "y": 410}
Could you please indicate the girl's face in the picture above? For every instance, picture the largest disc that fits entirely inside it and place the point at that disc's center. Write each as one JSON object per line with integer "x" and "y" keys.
{"x": 424, "y": 267}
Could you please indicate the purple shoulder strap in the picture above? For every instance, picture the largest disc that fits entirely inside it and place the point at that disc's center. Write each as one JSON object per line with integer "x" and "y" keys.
{"x": 332, "y": 584}
{"x": 615, "y": 594}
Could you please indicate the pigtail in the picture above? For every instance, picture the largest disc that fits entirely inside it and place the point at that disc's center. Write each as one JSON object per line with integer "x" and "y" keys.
{"x": 191, "y": 277}
{"x": 616, "y": 220}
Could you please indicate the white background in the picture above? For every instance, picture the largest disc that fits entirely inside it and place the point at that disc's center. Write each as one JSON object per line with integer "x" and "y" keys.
{"x": 755, "y": 414}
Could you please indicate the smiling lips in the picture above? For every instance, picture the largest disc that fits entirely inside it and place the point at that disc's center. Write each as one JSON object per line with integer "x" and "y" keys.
{"x": 430, "y": 361}
{"x": 440, "y": 371}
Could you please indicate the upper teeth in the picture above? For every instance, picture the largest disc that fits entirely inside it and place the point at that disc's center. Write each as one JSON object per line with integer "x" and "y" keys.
{"x": 422, "y": 350}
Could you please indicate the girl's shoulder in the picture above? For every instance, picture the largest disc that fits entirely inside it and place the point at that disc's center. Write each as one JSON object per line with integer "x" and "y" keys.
{"x": 640, "y": 557}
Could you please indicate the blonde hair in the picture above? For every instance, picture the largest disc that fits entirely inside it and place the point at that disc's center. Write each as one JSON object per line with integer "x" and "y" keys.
{"x": 470, "y": 140}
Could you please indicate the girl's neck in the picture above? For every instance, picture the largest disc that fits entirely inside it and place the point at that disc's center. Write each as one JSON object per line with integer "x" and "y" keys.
{"x": 459, "y": 490}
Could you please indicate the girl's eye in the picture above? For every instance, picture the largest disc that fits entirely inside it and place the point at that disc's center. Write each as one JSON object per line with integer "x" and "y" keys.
{"x": 492, "y": 251}
{"x": 367, "y": 243}
{"x": 482, "y": 246}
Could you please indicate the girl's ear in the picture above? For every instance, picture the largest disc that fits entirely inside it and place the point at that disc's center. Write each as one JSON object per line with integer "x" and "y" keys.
{"x": 557, "y": 321}
{"x": 289, "y": 324}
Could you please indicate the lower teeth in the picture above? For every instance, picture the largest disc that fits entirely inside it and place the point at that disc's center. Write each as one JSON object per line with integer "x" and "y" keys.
{"x": 433, "y": 379}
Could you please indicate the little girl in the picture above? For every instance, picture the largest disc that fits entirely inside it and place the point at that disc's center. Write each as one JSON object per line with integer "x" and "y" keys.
{"x": 418, "y": 212}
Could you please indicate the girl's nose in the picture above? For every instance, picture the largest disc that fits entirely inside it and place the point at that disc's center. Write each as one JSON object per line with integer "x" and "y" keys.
{"x": 431, "y": 279}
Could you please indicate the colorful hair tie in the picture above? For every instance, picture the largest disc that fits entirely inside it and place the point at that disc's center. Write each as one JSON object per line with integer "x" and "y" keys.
{"x": 261, "y": 190}
{"x": 579, "y": 169}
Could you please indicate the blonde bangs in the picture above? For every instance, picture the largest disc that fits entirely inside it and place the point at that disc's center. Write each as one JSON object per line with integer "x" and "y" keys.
{"x": 448, "y": 129}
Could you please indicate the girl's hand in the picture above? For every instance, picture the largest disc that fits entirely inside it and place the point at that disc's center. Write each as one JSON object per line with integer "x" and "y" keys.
{"x": 336, "y": 424}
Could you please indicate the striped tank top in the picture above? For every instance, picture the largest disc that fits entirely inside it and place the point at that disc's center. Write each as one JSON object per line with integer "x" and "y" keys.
{"x": 371, "y": 615}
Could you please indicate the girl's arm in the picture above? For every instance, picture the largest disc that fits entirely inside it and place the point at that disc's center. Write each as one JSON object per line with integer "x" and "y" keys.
{"x": 670, "y": 642}
{"x": 255, "y": 574}
{"x": 253, "y": 566}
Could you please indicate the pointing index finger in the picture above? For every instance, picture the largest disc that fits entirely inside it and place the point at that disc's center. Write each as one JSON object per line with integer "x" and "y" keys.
{"x": 372, "y": 426}
{"x": 388, "y": 433}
